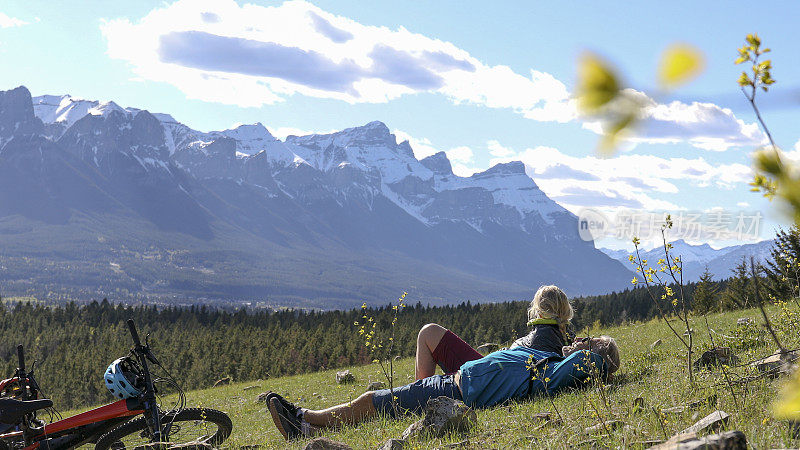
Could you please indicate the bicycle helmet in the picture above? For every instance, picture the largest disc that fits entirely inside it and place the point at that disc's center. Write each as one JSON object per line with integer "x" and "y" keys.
{"x": 121, "y": 378}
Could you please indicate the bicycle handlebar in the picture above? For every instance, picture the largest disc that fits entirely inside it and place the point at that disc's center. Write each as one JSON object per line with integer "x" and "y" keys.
{"x": 134, "y": 334}
{"x": 21, "y": 357}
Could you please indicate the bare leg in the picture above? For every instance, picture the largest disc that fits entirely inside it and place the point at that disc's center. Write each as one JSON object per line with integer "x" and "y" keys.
{"x": 351, "y": 413}
{"x": 427, "y": 340}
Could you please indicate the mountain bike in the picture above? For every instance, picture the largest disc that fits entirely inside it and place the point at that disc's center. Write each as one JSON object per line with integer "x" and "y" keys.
{"x": 113, "y": 426}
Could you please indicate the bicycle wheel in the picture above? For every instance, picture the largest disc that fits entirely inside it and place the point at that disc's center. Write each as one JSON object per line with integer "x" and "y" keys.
{"x": 201, "y": 425}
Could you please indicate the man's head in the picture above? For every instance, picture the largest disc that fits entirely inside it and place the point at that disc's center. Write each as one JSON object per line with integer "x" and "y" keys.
{"x": 604, "y": 346}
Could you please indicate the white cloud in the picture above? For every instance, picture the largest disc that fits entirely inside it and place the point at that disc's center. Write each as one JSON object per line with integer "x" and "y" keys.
{"x": 625, "y": 182}
{"x": 218, "y": 51}
{"x": 743, "y": 204}
{"x": 422, "y": 146}
{"x": 497, "y": 150}
{"x": 461, "y": 154}
{"x": 251, "y": 55}
{"x": 10, "y": 22}
{"x": 703, "y": 125}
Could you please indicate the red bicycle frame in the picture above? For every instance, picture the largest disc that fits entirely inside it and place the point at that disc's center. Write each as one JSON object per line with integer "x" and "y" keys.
{"x": 81, "y": 428}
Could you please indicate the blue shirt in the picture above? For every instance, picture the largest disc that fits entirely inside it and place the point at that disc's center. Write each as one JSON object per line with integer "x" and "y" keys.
{"x": 505, "y": 375}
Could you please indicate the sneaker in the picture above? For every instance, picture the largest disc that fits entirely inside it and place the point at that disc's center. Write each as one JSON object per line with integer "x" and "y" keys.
{"x": 285, "y": 420}
{"x": 291, "y": 407}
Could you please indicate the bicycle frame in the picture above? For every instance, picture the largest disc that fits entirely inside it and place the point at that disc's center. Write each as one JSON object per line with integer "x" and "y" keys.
{"x": 81, "y": 428}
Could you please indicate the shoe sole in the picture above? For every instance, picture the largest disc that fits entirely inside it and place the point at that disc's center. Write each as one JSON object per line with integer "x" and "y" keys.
{"x": 276, "y": 418}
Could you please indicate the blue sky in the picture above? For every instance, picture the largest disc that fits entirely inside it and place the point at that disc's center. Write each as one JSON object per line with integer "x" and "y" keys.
{"x": 485, "y": 82}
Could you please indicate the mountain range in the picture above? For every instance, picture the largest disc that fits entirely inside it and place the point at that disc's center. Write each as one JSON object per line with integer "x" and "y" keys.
{"x": 696, "y": 258}
{"x": 97, "y": 199}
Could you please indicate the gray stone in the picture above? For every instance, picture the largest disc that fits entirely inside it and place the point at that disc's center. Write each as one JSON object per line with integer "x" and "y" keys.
{"x": 604, "y": 427}
{"x": 223, "y": 382}
{"x": 541, "y": 416}
{"x": 442, "y": 415}
{"x": 323, "y": 443}
{"x": 714, "y": 421}
{"x": 674, "y": 410}
{"x": 375, "y": 385}
{"x": 345, "y": 377}
{"x": 191, "y": 446}
{"x": 392, "y": 444}
{"x": 729, "y": 440}
{"x": 777, "y": 364}
{"x": 717, "y": 356}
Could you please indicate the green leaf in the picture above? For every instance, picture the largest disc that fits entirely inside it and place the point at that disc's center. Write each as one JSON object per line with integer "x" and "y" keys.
{"x": 679, "y": 64}
{"x": 597, "y": 83}
{"x": 614, "y": 133}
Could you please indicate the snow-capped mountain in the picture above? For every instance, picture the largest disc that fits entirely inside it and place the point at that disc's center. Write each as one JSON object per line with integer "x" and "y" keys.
{"x": 356, "y": 194}
{"x": 696, "y": 258}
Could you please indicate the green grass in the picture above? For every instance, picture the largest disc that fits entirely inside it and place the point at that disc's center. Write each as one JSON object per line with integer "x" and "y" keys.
{"x": 658, "y": 376}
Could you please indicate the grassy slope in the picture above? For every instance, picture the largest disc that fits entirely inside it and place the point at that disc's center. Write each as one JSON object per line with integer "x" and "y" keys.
{"x": 657, "y": 376}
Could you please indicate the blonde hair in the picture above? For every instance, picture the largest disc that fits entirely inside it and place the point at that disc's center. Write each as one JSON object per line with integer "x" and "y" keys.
{"x": 608, "y": 349}
{"x": 550, "y": 302}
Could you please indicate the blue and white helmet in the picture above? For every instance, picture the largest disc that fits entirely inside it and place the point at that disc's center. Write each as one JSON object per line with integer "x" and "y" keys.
{"x": 120, "y": 378}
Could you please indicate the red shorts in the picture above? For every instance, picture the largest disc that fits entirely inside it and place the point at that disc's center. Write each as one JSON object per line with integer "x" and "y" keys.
{"x": 452, "y": 352}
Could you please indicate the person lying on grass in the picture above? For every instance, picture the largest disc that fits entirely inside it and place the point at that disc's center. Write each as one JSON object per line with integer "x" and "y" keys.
{"x": 512, "y": 374}
{"x": 549, "y": 315}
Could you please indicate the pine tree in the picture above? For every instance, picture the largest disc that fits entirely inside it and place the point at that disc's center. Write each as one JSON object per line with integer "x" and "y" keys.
{"x": 706, "y": 296}
{"x": 738, "y": 293}
{"x": 783, "y": 270}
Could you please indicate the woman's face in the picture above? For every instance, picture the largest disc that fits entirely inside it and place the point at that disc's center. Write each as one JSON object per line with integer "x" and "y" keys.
{"x": 580, "y": 344}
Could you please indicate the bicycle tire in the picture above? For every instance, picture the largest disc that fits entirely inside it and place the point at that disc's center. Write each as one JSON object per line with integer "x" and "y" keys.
{"x": 129, "y": 434}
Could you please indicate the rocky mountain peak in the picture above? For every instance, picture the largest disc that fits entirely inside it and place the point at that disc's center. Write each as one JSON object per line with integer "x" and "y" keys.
{"x": 438, "y": 164}
{"x": 509, "y": 168}
{"x": 16, "y": 114}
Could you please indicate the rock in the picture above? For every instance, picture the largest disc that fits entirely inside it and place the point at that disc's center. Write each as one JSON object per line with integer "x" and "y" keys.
{"x": 488, "y": 347}
{"x": 717, "y": 356}
{"x": 744, "y": 321}
{"x": 464, "y": 443}
{"x": 604, "y": 427}
{"x": 413, "y": 430}
{"x": 655, "y": 344}
{"x": 443, "y": 415}
{"x": 223, "y": 381}
{"x": 711, "y": 400}
{"x": 674, "y": 410}
{"x": 194, "y": 445}
{"x": 262, "y": 397}
{"x": 392, "y": 444}
{"x": 345, "y": 377}
{"x": 729, "y": 440}
{"x": 375, "y": 385}
{"x": 541, "y": 416}
{"x": 777, "y": 364}
{"x": 714, "y": 421}
{"x": 323, "y": 443}
{"x": 191, "y": 446}
{"x": 249, "y": 388}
